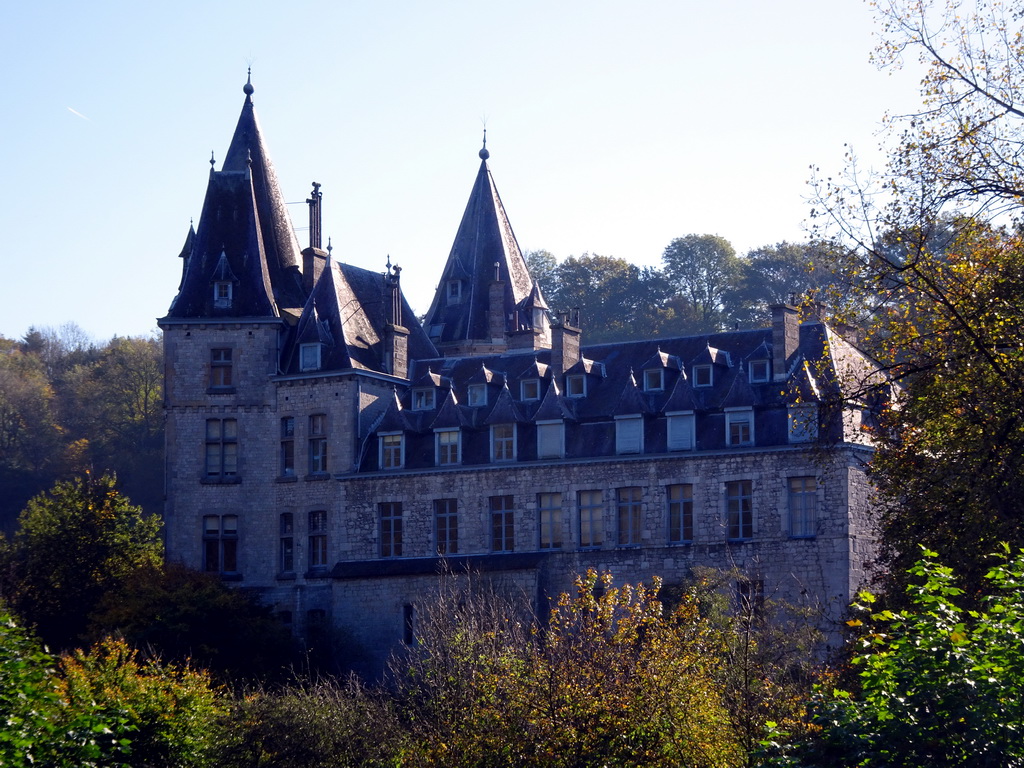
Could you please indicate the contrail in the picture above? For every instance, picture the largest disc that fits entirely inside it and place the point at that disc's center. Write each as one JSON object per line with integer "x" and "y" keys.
{"x": 76, "y": 112}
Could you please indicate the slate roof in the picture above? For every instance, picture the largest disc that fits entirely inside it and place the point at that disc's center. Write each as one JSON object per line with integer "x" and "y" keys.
{"x": 244, "y": 232}
{"x": 346, "y": 313}
{"x": 484, "y": 239}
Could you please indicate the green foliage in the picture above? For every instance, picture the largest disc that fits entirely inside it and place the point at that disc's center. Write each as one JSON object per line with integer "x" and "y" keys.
{"x": 702, "y": 269}
{"x": 941, "y": 685}
{"x": 75, "y": 544}
{"x": 189, "y": 616}
{"x": 165, "y": 715}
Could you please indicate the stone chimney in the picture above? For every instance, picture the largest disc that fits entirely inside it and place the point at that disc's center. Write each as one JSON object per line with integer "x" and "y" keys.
{"x": 565, "y": 343}
{"x": 496, "y": 308}
{"x": 785, "y": 338}
{"x": 396, "y": 335}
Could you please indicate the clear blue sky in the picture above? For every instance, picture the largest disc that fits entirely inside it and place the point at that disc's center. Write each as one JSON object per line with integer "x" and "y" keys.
{"x": 612, "y": 127}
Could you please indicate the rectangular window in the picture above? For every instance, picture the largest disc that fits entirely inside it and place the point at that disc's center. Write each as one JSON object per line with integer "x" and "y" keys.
{"x": 288, "y": 446}
{"x": 317, "y": 444}
{"x": 739, "y": 426}
{"x": 680, "y": 432}
{"x": 680, "y": 513}
{"x": 654, "y": 380}
{"x": 220, "y": 368}
{"x": 530, "y": 389}
{"x": 591, "y": 506}
{"x": 502, "y": 524}
{"x": 803, "y": 423}
{"x": 503, "y": 442}
{"x": 391, "y": 451}
{"x": 221, "y": 448}
{"x": 220, "y": 544}
{"x": 576, "y": 385}
{"x": 739, "y": 510}
{"x": 550, "y": 440}
{"x": 391, "y": 529}
{"x": 422, "y": 399}
{"x": 309, "y": 357}
{"x": 758, "y": 371}
{"x": 803, "y": 507}
{"x": 318, "y": 540}
{"x": 222, "y": 292}
{"x": 703, "y": 376}
{"x": 628, "y": 508}
{"x": 629, "y": 434}
{"x": 476, "y": 395}
{"x": 447, "y": 448}
{"x": 286, "y": 561}
{"x": 446, "y": 526}
{"x": 549, "y": 507}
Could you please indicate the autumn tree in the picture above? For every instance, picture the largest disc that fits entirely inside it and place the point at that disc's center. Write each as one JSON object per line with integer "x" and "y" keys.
{"x": 74, "y": 544}
{"x": 939, "y": 260}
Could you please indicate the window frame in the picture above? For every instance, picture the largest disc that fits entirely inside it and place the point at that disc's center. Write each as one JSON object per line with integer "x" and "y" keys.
{"x": 576, "y": 385}
{"x": 544, "y": 431}
{"x": 680, "y": 423}
{"x": 679, "y": 503}
{"x": 549, "y": 520}
{"x": 703, "y": 375}
{"x": 802, "y": 500}
{"x": 316, "y": 532}
{"x": 287, "y": 454}
{"x": 307, "y": 364}
{"x": 755, "y": 368}
{"x": 220, "y": 544}
{"x": 221, "y": 453}
{"x": 738, "y": 438}
{"x": 390, "y": 517}
{"x": 654, "y": 379}
{"x": 423, "y": 399}
{"x": 503, "y": 447}
{"x": 318, "y": 444}
{"x": 391, "y": 455}
{"x": 739, "y": 510}
{"x": 590, "y": 506}
{"x": 286, "y": 547}
{"x": 629, "y": 515}
{"x": 443, "y": 447}
{"x": 223, "y": 294}
{"x": 476, "y": 395}
{"x": 529, "y": 390}
{"x": 446, "y": 526}
{"x": 222, "y": 366}
{"x": 625, "y": 442}
{"x": 503, "y": 534}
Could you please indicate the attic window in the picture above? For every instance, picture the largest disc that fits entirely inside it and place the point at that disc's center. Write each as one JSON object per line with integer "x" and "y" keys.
{"x": 222, "y": 294}
{"x": 703, "y": 376}
{"x": 540, "y": 319}
{"x": 758, "y": 371}
{"x": 576, "y": 385}
{"x": 454, "y": 291}
{"x": 654, "y": 380}
{"x": 422, "y": 399}
{"x": 476, "y": 395}
{"x": 309, "y": 357}
{"x": 530, "y": 389}
{"x": 739, "y": 427}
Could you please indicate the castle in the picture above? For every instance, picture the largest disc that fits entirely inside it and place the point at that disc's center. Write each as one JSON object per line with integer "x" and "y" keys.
{"x": 327, "y": 450}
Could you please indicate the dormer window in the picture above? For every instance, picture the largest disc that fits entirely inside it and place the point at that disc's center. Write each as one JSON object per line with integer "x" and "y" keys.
{"x": 739, "y": 427}
{"x": 758, "y": 371}
{"x": 454, "y": 291}
{"x": 476, "y": 395}
{"x": 654, "y": 380}
{"x": 223, "y": 292}
{"x": 703, "y": 376}
{"x": 576, "y": 385}
{"x": 423, "y": 399}
{"x": 309, "y": 357}
{"x": 530, "y": 389}
{"x": 540, "y": 319}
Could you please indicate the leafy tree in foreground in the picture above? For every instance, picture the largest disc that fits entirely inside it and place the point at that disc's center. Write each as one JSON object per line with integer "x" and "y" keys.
{"x": 941, "y": 685}
{"x": 75, "y": 543}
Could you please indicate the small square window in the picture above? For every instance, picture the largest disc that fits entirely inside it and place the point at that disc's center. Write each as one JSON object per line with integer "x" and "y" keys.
{"x": 476, "y": 395}
{"x": 309, "y": 357}
{"x": 422, "y": 399}
{"x": 223, "y": 292}
{"x": 576, "y": 385}
{"x": 530, "y": 389}
{"x": 758, "y": 371}
{"x": 654, "y": 380}
{"x": 703, "y": 376}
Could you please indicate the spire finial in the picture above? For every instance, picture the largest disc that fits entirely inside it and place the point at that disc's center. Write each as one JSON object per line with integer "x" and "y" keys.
{"x": 484, "y": 154}
{"x": 247, "y": 89}
{"x": 329, "y": 248}
{"x": 212, "y": 161}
